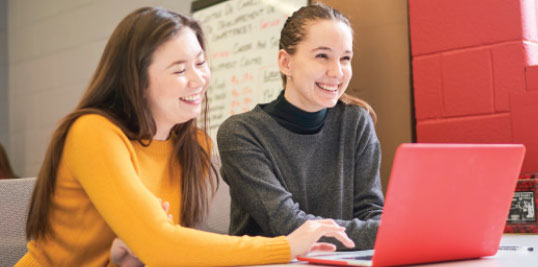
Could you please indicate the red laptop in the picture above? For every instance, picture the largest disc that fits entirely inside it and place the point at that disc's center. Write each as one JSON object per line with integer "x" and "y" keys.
{"x": 444, "y": 202}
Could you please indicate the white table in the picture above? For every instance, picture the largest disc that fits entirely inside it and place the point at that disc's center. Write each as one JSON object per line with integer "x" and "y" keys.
{"x": 503, "y": 258}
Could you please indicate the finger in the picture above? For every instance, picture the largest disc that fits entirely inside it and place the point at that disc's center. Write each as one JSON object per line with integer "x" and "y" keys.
{"x": 133, "y": 255}
{"x": 323, "y": 247}
{"x": 166, "y": 206}
{"x": 337, "y": 232}
{"x": 126, "y": 248}
{"x": 328, "y": 227}
{"x": 131, "y": 252}
{"x": 340, "y": 236}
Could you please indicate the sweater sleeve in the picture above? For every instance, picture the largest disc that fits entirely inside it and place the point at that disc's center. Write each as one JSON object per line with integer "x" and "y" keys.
{"x": 255, "y": 186}
{"x": 99, "y": 156}
{"x": 368, "y": 195}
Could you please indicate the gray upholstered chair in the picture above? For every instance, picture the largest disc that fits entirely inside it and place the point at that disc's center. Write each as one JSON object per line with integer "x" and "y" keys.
{"x": 15, "y": 197}
{"x": 218, "y": 219}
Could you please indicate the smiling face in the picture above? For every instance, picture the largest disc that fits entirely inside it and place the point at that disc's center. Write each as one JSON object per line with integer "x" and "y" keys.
{"x": 319, "y": 71}
{"x": 178, "y": 78}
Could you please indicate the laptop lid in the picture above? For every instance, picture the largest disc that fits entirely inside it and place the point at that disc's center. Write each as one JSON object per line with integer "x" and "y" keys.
{"x": 445, "y": 202}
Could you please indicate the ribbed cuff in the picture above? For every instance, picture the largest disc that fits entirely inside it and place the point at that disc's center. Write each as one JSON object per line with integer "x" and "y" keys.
{"x": 27, "y": 261}
{"x": 278, "y": 250}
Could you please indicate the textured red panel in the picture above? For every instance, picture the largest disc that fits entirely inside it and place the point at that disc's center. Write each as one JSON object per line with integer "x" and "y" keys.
{"x": 525, "y": 126}
{"x": 467, "y": 82}
{"x": 529, "y": 20}
{"x": 427, "y": 87}
{"x": 477, "y": 129}
{"x": 509, "y": 72}
{"x": 442, "y": 25}
{"x": 531, "y": 75}
{"x": 531, "y": 50}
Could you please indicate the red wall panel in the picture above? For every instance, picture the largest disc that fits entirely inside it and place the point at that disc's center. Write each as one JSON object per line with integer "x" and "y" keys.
{"x": 474, "y": 73}
{"x": 441, "y": 25}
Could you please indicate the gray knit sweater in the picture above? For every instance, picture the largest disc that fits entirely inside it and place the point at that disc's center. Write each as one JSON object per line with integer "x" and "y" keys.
{"x": 279, "y": 179}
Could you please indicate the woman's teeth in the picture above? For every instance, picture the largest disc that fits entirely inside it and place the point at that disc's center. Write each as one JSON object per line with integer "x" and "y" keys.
{"x": 328, "y": 87}
{"x": 191, "y": 98}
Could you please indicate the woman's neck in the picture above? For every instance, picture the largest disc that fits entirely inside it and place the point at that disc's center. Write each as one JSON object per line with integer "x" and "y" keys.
{"x": 293, "y": 118}
{"x": 292, "y": 96}
{"x": 163, "y": 132}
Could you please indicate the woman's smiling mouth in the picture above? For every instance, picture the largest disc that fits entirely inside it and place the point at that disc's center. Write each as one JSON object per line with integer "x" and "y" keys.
{"x": 328, "y": 87}
{"x": 192, "y": 98}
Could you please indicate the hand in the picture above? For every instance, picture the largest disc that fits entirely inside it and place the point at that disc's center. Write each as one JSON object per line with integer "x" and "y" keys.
{"x": 122, "y": 255}
{"x": 166, "y": 207}
{"x": 304, "y": 239}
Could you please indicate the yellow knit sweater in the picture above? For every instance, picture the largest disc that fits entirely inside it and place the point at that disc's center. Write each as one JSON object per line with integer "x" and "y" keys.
{"x": 109, "y": 186}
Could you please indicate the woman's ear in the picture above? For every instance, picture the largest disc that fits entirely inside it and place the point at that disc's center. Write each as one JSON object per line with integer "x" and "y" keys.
{"x": 284, "y": 62}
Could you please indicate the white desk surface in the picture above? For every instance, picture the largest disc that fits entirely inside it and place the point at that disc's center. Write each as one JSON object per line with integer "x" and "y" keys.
{"x": 503, "y": 258}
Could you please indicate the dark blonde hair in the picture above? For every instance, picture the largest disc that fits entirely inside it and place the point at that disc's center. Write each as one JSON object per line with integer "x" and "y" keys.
{"x": 116, "y": 91}
{"x": 295, "y": 30}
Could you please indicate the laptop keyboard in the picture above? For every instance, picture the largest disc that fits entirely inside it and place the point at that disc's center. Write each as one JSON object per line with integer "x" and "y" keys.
{"x": 364, "y": 258}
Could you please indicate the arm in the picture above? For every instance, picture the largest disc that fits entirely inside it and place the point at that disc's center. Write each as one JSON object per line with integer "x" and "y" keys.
{"x": 99, "y": 155}
{"x": 253, "y": 185}
{"x": 367, "y": 197}
{"x": 122, "y": 255}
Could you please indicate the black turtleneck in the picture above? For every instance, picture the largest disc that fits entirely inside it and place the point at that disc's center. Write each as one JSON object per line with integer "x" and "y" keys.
{"x": 294, "y": 118}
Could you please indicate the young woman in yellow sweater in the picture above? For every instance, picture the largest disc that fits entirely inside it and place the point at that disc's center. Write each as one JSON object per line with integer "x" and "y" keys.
{"x": 133, "y": 140}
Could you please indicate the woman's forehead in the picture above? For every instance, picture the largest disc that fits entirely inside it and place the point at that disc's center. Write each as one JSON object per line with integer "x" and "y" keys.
{"x": 328, "y": 33}
{"x": 182, "y": 46}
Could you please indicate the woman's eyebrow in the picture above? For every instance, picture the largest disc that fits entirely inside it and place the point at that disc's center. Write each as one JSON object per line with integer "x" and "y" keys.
{"x": 183, "y": 61}
{"x": 324, "y": 48}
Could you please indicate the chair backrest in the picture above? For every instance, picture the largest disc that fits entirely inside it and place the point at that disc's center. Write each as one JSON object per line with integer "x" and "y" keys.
{"x": 218, "y": 219}
{"x": 15, "y": 197}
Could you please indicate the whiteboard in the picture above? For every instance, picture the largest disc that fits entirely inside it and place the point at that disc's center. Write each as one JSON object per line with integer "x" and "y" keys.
{"x": 242, "y": 44}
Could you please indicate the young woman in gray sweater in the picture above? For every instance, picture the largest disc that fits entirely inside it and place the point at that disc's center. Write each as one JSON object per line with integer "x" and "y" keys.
{"x": 313, "y": 152}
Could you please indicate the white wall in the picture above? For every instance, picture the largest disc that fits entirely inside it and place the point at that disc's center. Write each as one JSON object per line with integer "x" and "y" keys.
{"x": 54, "y": 47}
{"x": 4, "y": 131}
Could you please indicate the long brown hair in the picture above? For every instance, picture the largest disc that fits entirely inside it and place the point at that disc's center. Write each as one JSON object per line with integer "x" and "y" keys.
{"x": 116, "y": 91}
{"x": 5, "y": 168}
{"x": 295, "y": 30}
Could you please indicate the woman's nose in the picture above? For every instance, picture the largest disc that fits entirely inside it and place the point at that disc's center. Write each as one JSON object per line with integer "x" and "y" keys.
{"x": 335, "y": 70}
{"x": 196, "y": 78}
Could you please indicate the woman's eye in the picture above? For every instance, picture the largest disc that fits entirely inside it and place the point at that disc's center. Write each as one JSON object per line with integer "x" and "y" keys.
{"x": 322, "y": 56}
{"x": 179, "y": 71}
{"x": 346, "y": 58}
{"x": 200, "y": 63}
